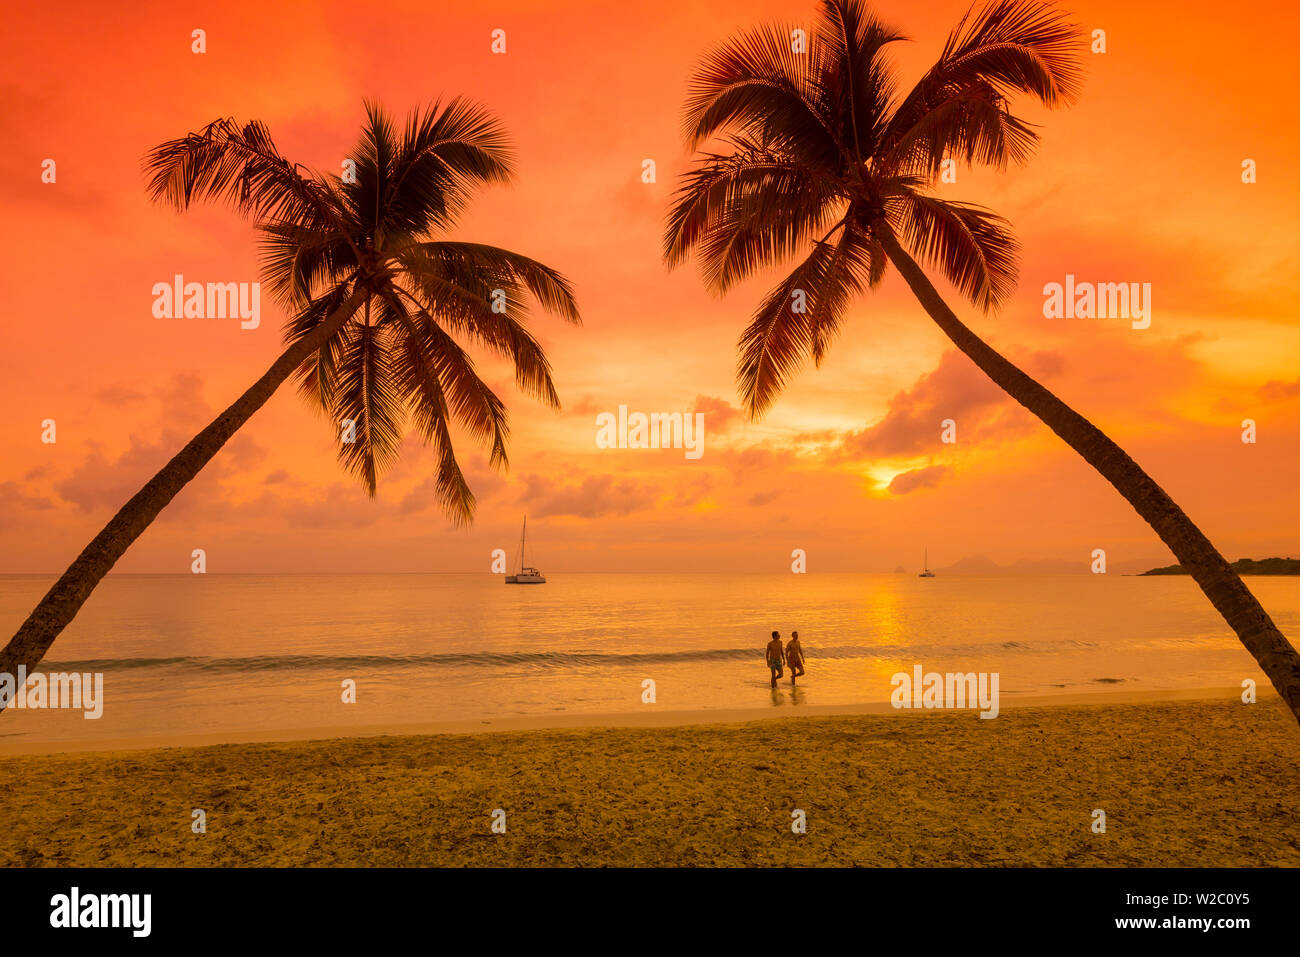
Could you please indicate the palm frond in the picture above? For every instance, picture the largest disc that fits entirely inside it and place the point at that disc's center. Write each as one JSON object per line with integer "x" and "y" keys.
{"x": 757, "y": 84}
{"x": 315, "y": 376}
{"x": 443, "y": 155}
{"x": 780, "y": 337}
{"x": 972, "y": 124}
{"x": 298, "y": 262}
{"x": 961, "y": 105}
{"x": 1021, "y": 46}
{"x": 746, "y": 210}
{"x": 972, "y": 246}
{"x": 462, "y": 298}
{"x": 366, "y": 392}
{"x": 240, "y": 166}
{"x": 438, "y": 378}
{"x": 853, "y": 74}
{"x": 501, "y": 333}
{"x": 375, "y": 155}
{"x": 421, "y": 365}
{"x": 547, "y": 286}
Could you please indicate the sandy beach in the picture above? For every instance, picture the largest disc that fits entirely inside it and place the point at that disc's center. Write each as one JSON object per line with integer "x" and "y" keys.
{"x": 1182, "y": 783}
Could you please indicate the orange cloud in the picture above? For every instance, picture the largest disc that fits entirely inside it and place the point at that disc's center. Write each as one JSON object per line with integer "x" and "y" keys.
{"x": 927, "y": 477}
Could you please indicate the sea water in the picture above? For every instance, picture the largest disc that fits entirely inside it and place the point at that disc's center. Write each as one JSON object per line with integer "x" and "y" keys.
{"x": 205, "y": 654}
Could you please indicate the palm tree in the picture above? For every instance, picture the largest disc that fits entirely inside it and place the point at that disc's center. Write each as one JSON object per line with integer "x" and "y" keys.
{"x": 822, "y": 152}
{"x": 376, "y": 305}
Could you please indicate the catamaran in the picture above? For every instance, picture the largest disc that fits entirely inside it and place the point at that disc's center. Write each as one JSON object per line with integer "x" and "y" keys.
{"x": 527, "y": 575}
{"x": 926, "y": 573}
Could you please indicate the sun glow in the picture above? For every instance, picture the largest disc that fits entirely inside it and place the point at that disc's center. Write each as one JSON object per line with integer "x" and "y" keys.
{"x": 880, "y": 474}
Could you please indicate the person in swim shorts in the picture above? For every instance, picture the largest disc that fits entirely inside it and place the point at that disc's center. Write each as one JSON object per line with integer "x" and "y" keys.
{"x": 775, "y": 657}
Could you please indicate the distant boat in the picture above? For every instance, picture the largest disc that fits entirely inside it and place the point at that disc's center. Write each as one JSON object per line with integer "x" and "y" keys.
{"x": 527, "y": 575}
{"x": 927, "y": 573}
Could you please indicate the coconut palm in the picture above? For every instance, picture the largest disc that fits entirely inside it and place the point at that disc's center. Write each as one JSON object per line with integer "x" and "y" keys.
{"x": 377, "y": 307}
{"x": 824, "y": 154}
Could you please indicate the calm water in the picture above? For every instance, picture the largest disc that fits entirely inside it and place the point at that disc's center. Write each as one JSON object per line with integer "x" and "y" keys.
{"x": 215, "y": 653}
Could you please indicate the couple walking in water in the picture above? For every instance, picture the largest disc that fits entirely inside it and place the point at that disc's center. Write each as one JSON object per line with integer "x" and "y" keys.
{"x": 790, "y": 654}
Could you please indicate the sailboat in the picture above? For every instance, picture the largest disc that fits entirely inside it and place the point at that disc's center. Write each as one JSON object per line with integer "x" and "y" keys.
{"x": 926, "y": 573}
{"x": 527, "y": 575}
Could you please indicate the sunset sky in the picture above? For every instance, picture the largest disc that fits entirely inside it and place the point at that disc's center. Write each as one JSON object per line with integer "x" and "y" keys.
{"x": 1139, "y": 182}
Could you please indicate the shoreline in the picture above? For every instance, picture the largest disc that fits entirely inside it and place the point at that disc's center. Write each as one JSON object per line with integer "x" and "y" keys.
{"x": 14, "y": 746}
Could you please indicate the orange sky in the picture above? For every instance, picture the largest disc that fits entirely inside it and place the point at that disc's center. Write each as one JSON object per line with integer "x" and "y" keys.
{"x": 1139, "y": 182}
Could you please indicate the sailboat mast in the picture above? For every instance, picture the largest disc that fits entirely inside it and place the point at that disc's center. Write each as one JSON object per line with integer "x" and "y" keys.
{"x": 523, "y": 541}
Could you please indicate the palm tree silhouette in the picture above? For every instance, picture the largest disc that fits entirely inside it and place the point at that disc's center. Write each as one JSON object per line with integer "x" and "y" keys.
{"x": 374, "y": 304}
{"x": 823, "y": 154}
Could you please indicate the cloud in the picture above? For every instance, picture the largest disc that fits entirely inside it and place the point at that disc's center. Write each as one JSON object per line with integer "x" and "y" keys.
{"x": 957, "y": 389}
{"x": 1277, "y": 389}
{"x": 118, "y": 394}
{"x": 926, "y": 477}
{"x": 182, "y": 401}
{"x": 584, "y": 406}
{"x": 593, "y": 497}
{"x": 754, "y": 459}
{"x": 694, "y": 491}
{"x": 342, "y": 506}
{"x": 100, "y": 483}
{"x": 719, "y": 414}
{"x": 13, "y": 501}
{"x": 103, "y": 482}
{"x": 484, "y": 481}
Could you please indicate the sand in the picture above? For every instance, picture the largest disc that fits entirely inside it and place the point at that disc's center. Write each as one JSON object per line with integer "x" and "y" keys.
{"x": 1182, "y": 783}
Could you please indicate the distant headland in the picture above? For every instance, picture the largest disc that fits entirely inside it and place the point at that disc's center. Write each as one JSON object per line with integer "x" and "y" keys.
{"x": 1244, "y": 566}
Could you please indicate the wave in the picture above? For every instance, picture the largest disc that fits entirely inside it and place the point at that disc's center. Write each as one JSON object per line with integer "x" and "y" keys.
{"x": 544, "y": 660}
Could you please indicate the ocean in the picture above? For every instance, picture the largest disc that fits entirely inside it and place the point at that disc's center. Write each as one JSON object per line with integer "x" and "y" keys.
{"x": 215, "y": 654}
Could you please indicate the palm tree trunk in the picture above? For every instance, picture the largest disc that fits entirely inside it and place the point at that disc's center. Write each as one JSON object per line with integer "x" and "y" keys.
{"x": 62, "y": 602}
{"x": 1225, "y": 589}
